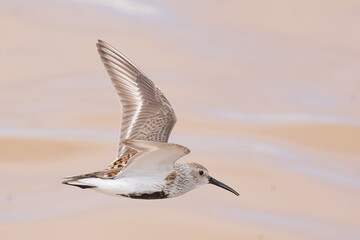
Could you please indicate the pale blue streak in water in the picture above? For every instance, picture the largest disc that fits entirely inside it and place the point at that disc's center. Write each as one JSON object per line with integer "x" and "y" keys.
{"x": 68, "y": 133}
{"x": 285, "y": 158}
{"x": 303, "y": 225}
{"x": 150, "y": 14}
{"x": 277, "y": 118}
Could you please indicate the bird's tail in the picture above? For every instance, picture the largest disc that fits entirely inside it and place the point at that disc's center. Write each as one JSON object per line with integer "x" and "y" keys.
{"x": 76, "y": 181}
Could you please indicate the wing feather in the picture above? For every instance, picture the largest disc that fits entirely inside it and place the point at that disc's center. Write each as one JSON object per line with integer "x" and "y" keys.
{"x": 154, "y": 160}
{"x": 146, "y": 113}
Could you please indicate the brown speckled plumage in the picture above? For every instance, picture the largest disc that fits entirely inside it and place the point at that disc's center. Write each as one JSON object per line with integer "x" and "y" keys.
{"x": 108, "y": 173}
{"x": 170, "y": 178}
{"x": 121, "y": 162}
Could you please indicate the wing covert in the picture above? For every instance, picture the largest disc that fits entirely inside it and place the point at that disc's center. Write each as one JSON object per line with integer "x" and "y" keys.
{"x": 154, "y": 159}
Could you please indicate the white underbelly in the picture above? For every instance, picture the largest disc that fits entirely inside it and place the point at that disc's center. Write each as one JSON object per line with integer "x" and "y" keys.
{"x": 125, "y": 186}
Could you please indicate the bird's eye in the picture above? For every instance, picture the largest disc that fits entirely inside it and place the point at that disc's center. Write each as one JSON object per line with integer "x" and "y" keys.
{"x": 201, "y": 172}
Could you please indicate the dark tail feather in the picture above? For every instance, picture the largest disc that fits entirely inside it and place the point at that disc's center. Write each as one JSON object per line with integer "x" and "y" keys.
{"x": 82, "y": 186}
{"x": 76, "y": 180}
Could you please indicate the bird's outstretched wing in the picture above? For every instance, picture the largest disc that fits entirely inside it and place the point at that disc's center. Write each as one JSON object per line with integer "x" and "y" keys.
{"x": 154, "y": 160}
{"x": 146, "y": 113}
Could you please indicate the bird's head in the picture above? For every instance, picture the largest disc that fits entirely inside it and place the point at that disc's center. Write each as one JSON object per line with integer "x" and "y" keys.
{"x": 201, "y": 176}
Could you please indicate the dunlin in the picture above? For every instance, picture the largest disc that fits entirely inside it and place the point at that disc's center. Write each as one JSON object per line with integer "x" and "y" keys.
{"x": 146, "y": 166}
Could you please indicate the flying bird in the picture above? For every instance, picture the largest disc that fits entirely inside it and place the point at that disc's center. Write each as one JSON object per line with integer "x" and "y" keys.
{"x": 145, "y": 167}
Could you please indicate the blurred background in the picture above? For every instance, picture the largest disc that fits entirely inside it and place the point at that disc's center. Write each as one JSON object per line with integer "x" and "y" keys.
{"x": 267, "y": 95}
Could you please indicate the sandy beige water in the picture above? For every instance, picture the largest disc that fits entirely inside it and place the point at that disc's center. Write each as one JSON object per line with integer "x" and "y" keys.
{"x": 267, "y": 95}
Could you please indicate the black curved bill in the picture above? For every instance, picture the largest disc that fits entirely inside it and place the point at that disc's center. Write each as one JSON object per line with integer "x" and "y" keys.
{"x": 222, "y": 185}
